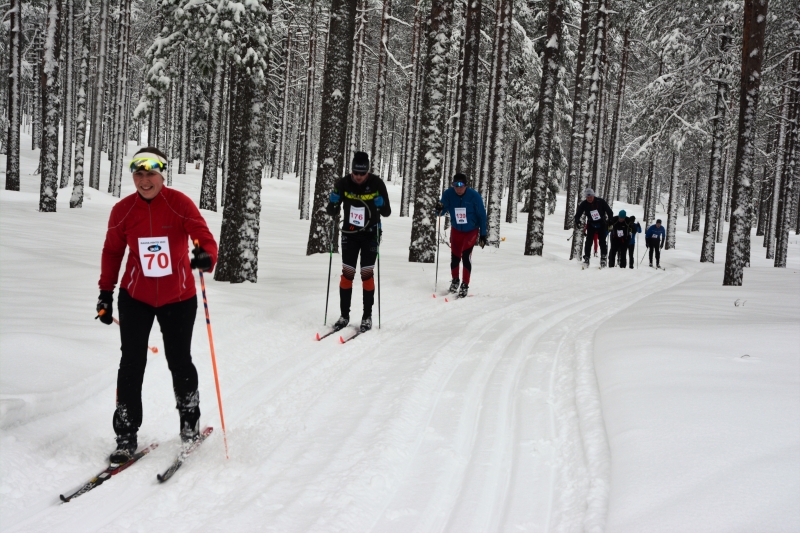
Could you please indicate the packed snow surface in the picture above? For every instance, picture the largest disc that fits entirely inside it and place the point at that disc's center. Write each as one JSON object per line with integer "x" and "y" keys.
{"x": 551, "y": 399}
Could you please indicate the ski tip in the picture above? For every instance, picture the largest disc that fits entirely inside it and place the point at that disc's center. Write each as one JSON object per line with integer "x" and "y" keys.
{"x": 341, "y": 339}
{"x": 161, "y": 479}
{"x": 154, "y": 349}
{"x": 446, "y": 300}
{"x": 318, "y": 336}
{"x": 434, "y": 295}
{"x": 64, "y": 499}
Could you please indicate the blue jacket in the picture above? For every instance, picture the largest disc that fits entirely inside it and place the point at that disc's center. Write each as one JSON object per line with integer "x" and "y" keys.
{"x": 638, "y": 228}
{"x": 655, "y": 233}
{"x": 475, "y": 211}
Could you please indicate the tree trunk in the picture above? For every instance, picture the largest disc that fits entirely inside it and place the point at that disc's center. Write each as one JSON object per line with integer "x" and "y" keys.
{"x": 357, "y": 83}
{"x": 590, "y": 117}
{"x": 497, "y": 118}
{"x": 332, "y": 135}
{"x": 672, "y": 210}
{"x": 613, "y": 149}
{"x": 468, "y": 91}
{"x": 97, "y": 103}
{"x": 785, "y": 219}
{"x": 412, "y": 120}
{"x": 76, "y": 200}
{"x": 280, "y": 153}
{"x": 770, "y": 237}
{"x": 650, "y": 192}
{"x": 513, "y": 185}
{"x": 715, "y": 167}
{"x": 755, "y": 14}
{"x": 186, "y": 94}
{"x": 119, "y": 121}
{"x": 67, "y": 78}
{"x": 698, "y": 205}
{"x": 534, "y": 242}
{"x": 576, "y": 135}
{"x": 434, "y": 109}
{"x": 308, "y": 117}
{"x": 49, "y": 154}
{"x": 380, "y": 91}
{"x": 14, "y": 96}
{"x": 725, "y": 188}
{"x": 208, "y": 189}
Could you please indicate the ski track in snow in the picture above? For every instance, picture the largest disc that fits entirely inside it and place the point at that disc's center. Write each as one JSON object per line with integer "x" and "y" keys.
{"x": 471, "y": 415}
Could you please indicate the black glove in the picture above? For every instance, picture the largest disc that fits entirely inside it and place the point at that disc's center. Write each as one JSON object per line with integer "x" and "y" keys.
{"x": 482, "y": 241}
{"x": 201, "y": 261}
{"x": 332, "y": 209}
{"x": 662, "y": 245}
{"x": 105, "y": 309}
{"x": 439, "y": 207}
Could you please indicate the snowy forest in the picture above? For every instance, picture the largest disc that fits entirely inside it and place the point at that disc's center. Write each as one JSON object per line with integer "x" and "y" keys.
{"x": 693, "y": 106}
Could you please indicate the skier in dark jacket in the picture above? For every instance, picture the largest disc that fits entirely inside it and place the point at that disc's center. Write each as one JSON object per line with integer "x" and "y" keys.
{"x": 655, "y": 236}
{"x": 365, "y": 200}
{"x": 620, "y": 236}
{"x": 634, "y": 228}
{"x": 154, "y": 225}
{"x": 597, "y": 216}
{"x": 468, "y": 216}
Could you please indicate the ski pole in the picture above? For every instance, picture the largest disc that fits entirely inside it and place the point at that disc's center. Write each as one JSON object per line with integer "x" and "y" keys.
{"x": 379, "y": 276}
{"x": 213, "y": 356}
{"x": 330, "y": 264}
{"x": 636, "y": 238}
{"x": 103, "y": 311}
{"x": 438, "y": 240}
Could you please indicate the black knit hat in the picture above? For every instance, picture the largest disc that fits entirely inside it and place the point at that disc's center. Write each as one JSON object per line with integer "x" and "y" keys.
{"x": 460, "y": 178}
{"x": 360, "y": 162}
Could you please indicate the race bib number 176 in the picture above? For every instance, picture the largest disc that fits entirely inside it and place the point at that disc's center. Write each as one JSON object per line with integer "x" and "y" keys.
{"x": 154, "y": 255}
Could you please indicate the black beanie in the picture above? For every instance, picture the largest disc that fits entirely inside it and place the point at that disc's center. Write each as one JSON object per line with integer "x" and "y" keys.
{"x": 460, "y": 177}
{"x": 360, "y": 162}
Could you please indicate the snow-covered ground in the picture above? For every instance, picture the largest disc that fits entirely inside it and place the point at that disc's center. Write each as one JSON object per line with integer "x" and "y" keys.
{"x": 552, "y": 399}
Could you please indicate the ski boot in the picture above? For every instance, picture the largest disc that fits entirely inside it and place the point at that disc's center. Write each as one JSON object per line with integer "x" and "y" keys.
{"x": 462, "y": 292}
{"x": 366, "y": 324}
{"x": 454, "y": 285}
{"x": 126, "y": 447}
{"x": 602, "y": 261}
{"x": 341, "y": 323}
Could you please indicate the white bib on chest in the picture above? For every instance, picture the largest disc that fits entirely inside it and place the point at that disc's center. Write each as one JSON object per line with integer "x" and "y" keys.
{"x": 154, "y": 255}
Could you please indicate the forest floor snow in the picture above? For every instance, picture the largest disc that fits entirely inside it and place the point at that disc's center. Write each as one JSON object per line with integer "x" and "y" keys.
{"x": 551, "y": 399}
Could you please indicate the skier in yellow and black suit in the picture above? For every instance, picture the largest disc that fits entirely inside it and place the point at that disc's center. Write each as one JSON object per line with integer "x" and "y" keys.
{"x": 365, "y": 200}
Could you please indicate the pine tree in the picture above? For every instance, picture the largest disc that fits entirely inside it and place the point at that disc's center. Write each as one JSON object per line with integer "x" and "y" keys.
{"x": 14, "y": 96}
{"x": 534, "y": 242}
{"x": 49, "y": 154}
{"x": 96, "y": 131}
{"x": 76, "y": 200}
{"x": 755, "y": 19}
{"x": 437, "y": 36}
{"x": 335, "y": 98}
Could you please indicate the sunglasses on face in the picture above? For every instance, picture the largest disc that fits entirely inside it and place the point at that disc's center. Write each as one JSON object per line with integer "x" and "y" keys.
{"x": 355, "y": 173}
{"x": 459, "y": 184}
{"x": 146, "y": 164}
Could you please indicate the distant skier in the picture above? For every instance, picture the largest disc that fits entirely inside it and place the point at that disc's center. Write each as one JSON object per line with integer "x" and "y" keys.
{"x": 365, "y": 200}
{"x": 155, "y": 225}
{"x": 620, "y": 237}
{"x": 597, "y": 216}
{"x": 468, "y": 216}
{"x": 634, "y": 228}
{"x": 655, "y": 237}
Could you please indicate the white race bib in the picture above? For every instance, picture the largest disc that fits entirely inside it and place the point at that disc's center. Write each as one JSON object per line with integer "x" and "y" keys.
{"x": 595, "y": 215}
{"x": 461, "y": 215}
{"x": 154, "y": 255}
{"x": 620, "y": 233}
{"x": 357, "y": 216}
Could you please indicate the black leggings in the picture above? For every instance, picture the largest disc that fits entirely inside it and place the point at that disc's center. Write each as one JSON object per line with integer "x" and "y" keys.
{"x": 587, "y": 247}
{"x": 135, "y": 322}
{"x": 364, "y": 243}
{"x": 653, "y": 244}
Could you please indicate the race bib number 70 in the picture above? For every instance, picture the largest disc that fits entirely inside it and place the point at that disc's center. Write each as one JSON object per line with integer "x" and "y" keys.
{"x": 154, "y": 255}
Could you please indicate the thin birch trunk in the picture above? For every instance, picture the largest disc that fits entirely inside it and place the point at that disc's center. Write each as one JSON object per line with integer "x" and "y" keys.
{"x": 96, "y": 131}
{"x": 770, "y": 237}
{"x": 208, "y": 189}
{"x": 613, "y": 160}
{"x": 724, "y": 193}
{"x": 67, "y": 75}
{"x": 14, "y": 96}
{"x": 186, "y": 92}
{"x": 380, "y": 92}
{"x": 308, "y": 118}
{"x": 674, "y": 200}
{"x": 513, "y": 185}
{"x": 76, "y": 200}
{"x": 411, "y": 117}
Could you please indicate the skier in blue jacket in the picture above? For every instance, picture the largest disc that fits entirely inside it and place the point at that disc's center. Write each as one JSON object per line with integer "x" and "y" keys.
{"x": 635, "y": 228}
{"x": 655, "y": 237}
{"x": 468, "y": 216}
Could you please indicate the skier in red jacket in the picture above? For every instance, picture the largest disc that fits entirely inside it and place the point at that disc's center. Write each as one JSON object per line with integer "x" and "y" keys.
{"x": 155, "y": 225}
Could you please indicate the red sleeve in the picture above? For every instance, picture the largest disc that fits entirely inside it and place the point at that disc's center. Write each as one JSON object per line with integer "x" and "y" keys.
{"x": 195, "y": 225}
{"x": 113, "y": 252}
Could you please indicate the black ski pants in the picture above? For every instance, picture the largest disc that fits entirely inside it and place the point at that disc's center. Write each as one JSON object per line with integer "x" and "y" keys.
{"x": 587, "y": 246}
{"x": 654, "y": 245}
{"x": 631, "y": 252}
{"x": 364, "y": 243}
{"x": 135, "y": 322}
{"x": 617, "y": 252}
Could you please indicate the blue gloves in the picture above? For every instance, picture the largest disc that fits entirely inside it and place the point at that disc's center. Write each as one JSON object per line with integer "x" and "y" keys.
{"x": 378, "y": 201}
{"x": 334, "y": 198}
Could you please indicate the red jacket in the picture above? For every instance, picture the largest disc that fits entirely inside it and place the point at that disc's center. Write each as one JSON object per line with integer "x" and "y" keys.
{"x": 172, "y": 215}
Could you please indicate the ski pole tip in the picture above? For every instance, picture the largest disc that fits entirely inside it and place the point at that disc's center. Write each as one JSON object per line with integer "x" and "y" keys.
{"x": 446, "y": 300}
{"x": 341, "y": 339}
{"x": 317, "y": 336}
{"x": 434, "y": 296}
